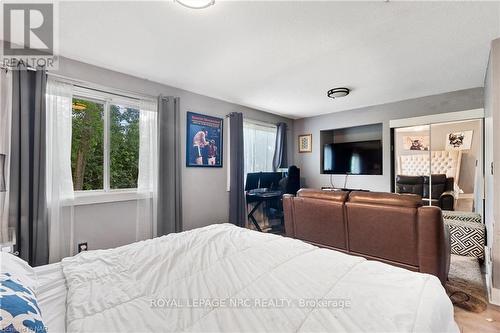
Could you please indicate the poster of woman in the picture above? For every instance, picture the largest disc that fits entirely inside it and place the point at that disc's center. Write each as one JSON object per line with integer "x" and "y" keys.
{"x": 204, "y": 140}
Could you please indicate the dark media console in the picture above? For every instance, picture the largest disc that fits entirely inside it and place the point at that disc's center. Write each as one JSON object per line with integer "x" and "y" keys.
{"x": 333, "y": 189}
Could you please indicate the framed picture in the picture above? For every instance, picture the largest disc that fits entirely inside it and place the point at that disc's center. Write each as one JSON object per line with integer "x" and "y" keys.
{"x": 305, "y": 143}
{"x": 204, "y": 139}
{"x": 459, "y": 140}
{"x": 419, "y": 142}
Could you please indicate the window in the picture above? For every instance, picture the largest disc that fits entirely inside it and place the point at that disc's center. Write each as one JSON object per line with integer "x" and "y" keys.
{"x": 259, "y": 142}
{"x": 124, "y": 147}
{"x": 105, "y": 143}
{"x": 87, "y": 145}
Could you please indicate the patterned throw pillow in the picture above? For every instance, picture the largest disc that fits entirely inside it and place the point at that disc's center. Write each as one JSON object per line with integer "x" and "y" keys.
{"x": 19, "y": 311}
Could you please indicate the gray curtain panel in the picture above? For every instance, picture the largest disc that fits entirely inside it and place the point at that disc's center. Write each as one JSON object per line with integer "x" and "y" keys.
{"x": 237, "y": 206}
{"x": 169, "y": 164}
{"x": 280, "y": 157}
{"x": 27, "y": 198}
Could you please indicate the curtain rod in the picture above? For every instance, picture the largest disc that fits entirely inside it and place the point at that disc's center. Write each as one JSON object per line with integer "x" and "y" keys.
{"x": 106, "y": 92}
{"x": 259, "y": 122}
{"x": 262, "y": 123}
{"x": 93, "y": 86}
{"x": 102, "y": 88}
{"x": 10, "y": 68}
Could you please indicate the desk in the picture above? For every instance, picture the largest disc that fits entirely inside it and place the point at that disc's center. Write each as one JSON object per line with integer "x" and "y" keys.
{"x": 258, "y": 198}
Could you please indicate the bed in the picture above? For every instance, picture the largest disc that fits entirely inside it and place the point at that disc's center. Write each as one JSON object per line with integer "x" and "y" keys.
{"x": 222, "y": 278}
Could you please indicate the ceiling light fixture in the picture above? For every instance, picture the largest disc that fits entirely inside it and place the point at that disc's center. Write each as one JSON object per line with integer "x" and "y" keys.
{"x": 196, "y": 4}
{"x": 338, "y": 92}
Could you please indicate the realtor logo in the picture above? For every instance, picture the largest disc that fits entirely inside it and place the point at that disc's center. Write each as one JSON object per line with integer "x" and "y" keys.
{"x": 28, "y": 34}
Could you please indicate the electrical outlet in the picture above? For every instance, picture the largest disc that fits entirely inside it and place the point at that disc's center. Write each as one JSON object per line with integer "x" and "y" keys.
{"x": 82, "y": 247}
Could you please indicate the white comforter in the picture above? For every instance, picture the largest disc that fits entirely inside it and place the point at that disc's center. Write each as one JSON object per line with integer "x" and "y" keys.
{"x": 225, "y": 278}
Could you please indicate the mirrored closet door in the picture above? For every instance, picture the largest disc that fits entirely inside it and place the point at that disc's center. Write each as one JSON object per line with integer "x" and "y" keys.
{"x": 442, "y": 162}
{"x": 457, "y": 165}
{"x": 412, "y": 161}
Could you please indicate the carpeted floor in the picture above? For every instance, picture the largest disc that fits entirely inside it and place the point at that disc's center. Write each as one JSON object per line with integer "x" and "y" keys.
{"x": 465, "y": 285}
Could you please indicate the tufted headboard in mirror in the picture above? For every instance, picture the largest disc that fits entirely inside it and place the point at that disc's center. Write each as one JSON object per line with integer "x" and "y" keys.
{"x": 443, "y": 162}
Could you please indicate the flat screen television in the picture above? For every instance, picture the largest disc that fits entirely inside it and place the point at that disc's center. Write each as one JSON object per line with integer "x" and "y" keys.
{"x": 356, "y": 158}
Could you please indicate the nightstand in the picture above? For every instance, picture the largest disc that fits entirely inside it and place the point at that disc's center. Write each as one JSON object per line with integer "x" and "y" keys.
{"x": 464, "y": 202}
{"x": 8, "y": 247}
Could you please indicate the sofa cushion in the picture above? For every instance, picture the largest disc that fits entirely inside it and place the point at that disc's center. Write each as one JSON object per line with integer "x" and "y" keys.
{"x": 340, "y": 196}
{"x": 410, "y": 184}
{"x": 384, "y": 231}
{"x": 320, "y": 221}
{"x": 384, "y": 199}
{"x": 467, "y": 233}
{"x": 438, "y": 185}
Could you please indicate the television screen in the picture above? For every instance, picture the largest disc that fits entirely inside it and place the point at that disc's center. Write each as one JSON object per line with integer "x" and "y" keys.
{"x": 357, "y": 158}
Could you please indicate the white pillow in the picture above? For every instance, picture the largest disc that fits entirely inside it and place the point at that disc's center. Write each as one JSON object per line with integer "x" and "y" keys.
{"x": 18, "y": 268}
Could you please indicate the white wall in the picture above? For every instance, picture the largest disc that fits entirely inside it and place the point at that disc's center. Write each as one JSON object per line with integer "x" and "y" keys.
{"x": 105, "y": 225}
{"x": 204, "y": 191}
{"x": 492, "y": 168}
{"x": 309, "y": 163}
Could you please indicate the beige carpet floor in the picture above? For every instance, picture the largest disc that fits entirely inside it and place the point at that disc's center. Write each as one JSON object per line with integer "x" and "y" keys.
{"x": 465, "y": 285}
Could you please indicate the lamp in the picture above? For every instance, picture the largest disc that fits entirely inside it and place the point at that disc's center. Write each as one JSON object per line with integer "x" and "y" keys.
{"x": 2, "y": 173}
{"x": 338, "y": 92}
{"x": 196, "y": 4}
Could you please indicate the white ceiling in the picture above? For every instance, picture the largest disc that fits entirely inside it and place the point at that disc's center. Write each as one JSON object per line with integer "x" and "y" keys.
{"x": 282, "y": 57}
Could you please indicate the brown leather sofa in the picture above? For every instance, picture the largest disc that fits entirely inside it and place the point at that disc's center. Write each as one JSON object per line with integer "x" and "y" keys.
{"x": 391, "y": 228}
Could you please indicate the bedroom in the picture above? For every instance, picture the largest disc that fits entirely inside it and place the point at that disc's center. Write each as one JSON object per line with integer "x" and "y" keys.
{"x": 211, "y": 105}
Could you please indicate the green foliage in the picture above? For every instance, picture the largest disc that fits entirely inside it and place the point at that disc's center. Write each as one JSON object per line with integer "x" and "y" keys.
{"x": 124, "y": 154}
{"x": 87, "y": 146}
{"x": 87, "y": 149}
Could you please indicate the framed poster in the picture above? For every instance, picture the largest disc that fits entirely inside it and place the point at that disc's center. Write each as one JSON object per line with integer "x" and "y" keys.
{"x": 420, "y": 142}
{"x": 204, "y": 139}
{"x": 305, "y": 143}
{"x": 459, "y": 140}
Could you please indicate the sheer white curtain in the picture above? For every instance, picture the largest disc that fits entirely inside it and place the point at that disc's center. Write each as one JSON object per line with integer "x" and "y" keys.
{"x": 5, "y": 121}
{"x": 259, "y": 141}
{"x": 147, "y": 182}
{"x": 59, "y": 179}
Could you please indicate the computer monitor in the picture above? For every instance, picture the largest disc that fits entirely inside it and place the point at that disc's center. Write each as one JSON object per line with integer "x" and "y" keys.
{"x": 270, "y": 180}
{"x": 252, "y": 181}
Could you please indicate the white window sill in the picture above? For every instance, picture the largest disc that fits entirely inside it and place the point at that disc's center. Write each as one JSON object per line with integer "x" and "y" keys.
{"x": 98, "y": 197}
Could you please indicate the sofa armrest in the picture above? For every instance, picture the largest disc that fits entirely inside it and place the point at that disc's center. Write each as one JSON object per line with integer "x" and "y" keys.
{"x": 447, "y": 244}
{"x": 447, "y": 200}
{"x": 288, "y": 212}
{"x": 433, "y": 243}
{"x": 450, "y": 184}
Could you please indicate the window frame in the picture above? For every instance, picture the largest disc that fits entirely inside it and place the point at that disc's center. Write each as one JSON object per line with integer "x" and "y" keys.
{"x": 106, "y": 194}
{"x": 262, "y": 124}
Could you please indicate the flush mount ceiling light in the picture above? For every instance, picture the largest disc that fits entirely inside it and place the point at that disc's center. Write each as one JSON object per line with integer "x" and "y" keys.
{"x": 338, "y": 92}
{"x": 196, "y": 4}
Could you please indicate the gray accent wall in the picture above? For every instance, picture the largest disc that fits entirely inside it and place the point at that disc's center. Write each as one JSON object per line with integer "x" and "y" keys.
{"x": 309, "y": 163}
{"x": 204, "y": 191}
